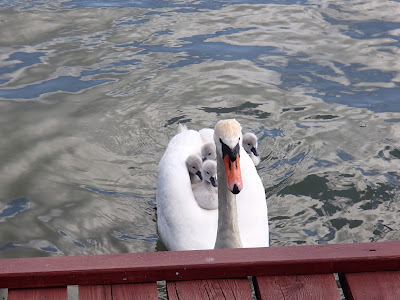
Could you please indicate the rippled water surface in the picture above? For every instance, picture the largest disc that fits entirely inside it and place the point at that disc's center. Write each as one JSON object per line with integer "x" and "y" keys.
{"x": 92, "y": 91}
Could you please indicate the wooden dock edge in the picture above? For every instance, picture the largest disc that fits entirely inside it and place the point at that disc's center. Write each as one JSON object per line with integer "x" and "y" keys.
{"x": 202, "y": 264}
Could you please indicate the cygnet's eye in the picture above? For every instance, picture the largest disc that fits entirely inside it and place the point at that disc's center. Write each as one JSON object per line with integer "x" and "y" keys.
{"x": 208, "y": 173}
{"x": 194, "y": 167}
{"x": 209, "y": 153}
{"x": 248, "y": 144}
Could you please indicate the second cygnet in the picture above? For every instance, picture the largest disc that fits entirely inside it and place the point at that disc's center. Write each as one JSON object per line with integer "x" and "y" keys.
{"x": 206, "y": 191}
{"x": 208, "y": 152}
{"x": 194, "y": 165}
{"x": 250, "y": 146}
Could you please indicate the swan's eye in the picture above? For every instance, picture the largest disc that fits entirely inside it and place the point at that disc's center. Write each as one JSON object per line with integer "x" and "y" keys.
{"x": 248, "y": 144}
{"x": 194, "y": 167}
{"x": 209, "y": 153}
{"x": 208, "y": 173}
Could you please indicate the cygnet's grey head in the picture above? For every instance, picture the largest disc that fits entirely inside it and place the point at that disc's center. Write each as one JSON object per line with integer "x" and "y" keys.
{"x": 208, "y": 151}
{"x": 250, "y": 143}
{"x": 194, "y": 165}
{"x": 209, "y": 171}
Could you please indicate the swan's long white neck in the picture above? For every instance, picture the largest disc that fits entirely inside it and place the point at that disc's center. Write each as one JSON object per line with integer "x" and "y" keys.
{"x": 228, "y": 235}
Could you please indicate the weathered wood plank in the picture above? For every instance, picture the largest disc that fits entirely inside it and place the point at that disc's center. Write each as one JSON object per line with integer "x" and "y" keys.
{"x": 206, "y": 264}
{"x": 209, "y": 289}
{"x": 371, "y": 285}
{"x": 57, "y": 293}
{"x": 95, "y": 292}
{"x": 135, "y": 291}
{"x": 307, "y": 287}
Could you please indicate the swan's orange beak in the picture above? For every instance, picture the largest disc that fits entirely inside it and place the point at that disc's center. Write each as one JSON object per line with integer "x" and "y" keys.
{"x": 233, "y": 174}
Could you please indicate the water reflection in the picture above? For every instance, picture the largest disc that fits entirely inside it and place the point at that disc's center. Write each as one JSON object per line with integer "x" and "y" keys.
{"x": 13, "y": 208}
{"x": 92, "y": 91}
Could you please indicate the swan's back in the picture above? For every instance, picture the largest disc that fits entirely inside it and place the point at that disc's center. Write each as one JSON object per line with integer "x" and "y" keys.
{"x": 182, "y": 224}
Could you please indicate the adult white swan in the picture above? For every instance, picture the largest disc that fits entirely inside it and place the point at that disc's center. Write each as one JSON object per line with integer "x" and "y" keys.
{"x": 240, "y": 222}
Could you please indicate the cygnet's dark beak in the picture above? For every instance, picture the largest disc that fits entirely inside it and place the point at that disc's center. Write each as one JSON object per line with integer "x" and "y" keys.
{"x": 254, "y": 150}
{"x": 198, "y": 173}
{"x": 213, "y": 181}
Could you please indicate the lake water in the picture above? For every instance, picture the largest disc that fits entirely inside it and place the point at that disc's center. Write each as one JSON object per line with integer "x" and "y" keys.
{"x": 92, "y": 91}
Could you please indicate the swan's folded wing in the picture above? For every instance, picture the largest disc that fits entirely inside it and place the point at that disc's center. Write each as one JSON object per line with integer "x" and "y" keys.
{"x": 182, "y": 224}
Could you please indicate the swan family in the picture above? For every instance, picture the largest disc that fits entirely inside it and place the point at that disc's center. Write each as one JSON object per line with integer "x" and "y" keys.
{"x": 239, "y": 217}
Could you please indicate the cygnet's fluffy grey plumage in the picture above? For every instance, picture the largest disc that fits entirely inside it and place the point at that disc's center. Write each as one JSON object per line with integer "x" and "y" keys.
{"x": 194, "y": 166}
{"x": 206, "y": 191}
{"x": 208, "y": 152}
{"x": 250, "y": 145}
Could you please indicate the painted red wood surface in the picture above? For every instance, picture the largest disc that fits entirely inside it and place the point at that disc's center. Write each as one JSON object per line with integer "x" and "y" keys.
{"x": 57, "y": 293}
{"x": 206, "y": 264}
{"x": 135, "y": 291}
{"x": 95, "y": 292}
{"x": 371, "y": 285}
{"x": 119, "y": 291}
{"x": 299, "y": 287}
{"x": 210, "y": 289}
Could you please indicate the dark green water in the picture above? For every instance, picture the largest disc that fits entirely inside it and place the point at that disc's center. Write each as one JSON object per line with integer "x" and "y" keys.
{"x": 91, "y": 92}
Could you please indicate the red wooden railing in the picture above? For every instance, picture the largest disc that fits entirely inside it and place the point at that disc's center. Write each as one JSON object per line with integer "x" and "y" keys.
{"x": 367, "y": 271}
